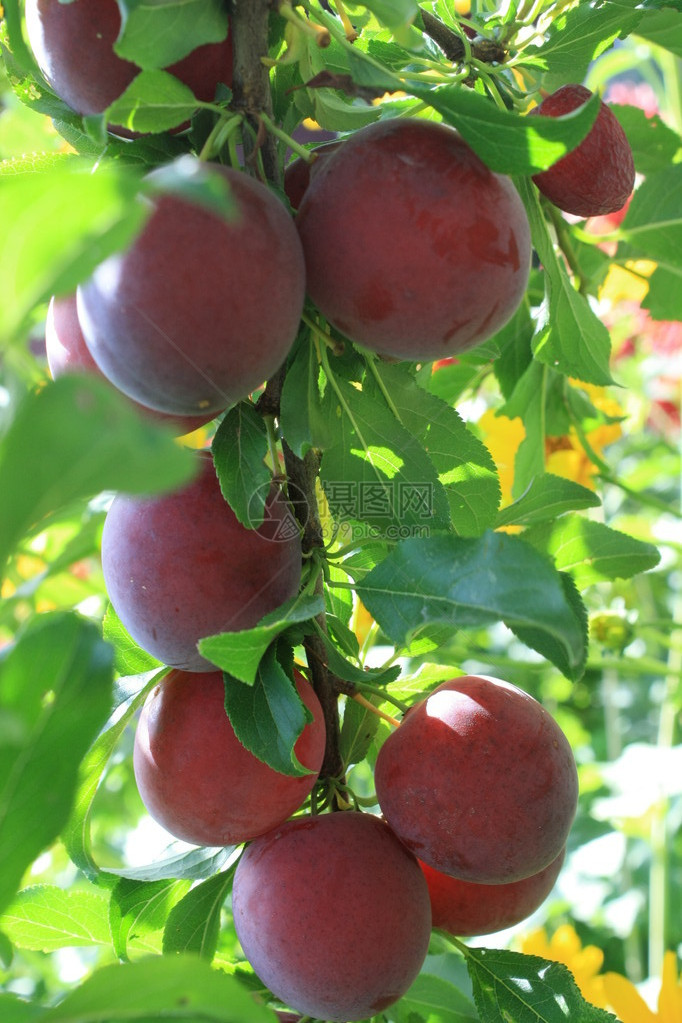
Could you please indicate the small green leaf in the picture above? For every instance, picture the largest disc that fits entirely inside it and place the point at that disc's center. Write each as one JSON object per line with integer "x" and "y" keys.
{"x": 154, "y": 35}
{"x": 663, "y": 28}
{"x": 76, "y": 833}
{"x": 138, "y": 908}
{"x": 181, "y": 987}
{"x": 44, "y": 918}
{"x": 193, "y": 925}
{"x": 154, "y": 101}
{"x": 55, "y": 695}
{"x": 464, "y": 465}
{"x": 463, "y": 583}
{"x": 576, "y": 37}
{"x": 509, "y": 143}
{"x": 240, "y": 653}
{"x": 192, "y": 864}
{"x": 653, "y": 223}
{"x": 377, "y": 473}
{"x": 526, "y": 989}
{"x": 546, "y": 497}
{"x": 653, "y": 143}
{"x": 434, "y": 1000}
{"x": 268, "y": 716}
{"x": 130, "y": 659}
{"x": 302, "y": 419}
{"x": 57, "y": 225}
{"x": 357, "y": 731}
{"x": 239, "y": 448}
{"x": 45, "y": 464}
{"x": 569, "y": 335}
{"x": 664, "y": 297}
{"x": 15, "y": 1010}
{"x": 591, "y": 551}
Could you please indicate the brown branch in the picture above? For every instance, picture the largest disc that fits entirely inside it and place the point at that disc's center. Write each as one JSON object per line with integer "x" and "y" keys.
{"x": 250, "y": 79}
{"x": 485, "y": 50}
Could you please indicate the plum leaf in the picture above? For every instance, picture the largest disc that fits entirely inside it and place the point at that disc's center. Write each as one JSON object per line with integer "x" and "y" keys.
{"x": 154, "y": 35}
{"x": 510, "y": 985}
{"x": 457, "y": 582}
{"x": 60, "y": 656}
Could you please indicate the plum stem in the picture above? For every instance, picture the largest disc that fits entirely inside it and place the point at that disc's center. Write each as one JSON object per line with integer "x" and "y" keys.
{"x": 319, "y": 33}
{"x": 368, "y": 705}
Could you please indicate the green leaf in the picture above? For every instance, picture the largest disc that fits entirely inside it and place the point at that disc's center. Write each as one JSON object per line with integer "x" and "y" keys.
{"x": 526, "y": 989}
{"x": 377, "y": 473}
{"x": 57, "y": 225}
{"x": 138, "y": 908}
{"x": 509, "y": 143}
{"x": 464, "y": 465}
{"x": 302, "y": 419}
{"x": 653, "y": 223}
{"x": 664, "y": 297}
{"x": 154, "y": 35}
{"x": 193, "y": 925}
{"x": 193, "y": 864}
{"x": 546, "y": 497}
{"x": 59, "y": 656}
{"x": 44, "y": 918}
{"x": 569, "y": 336}
{"x": 663, "y": 28}
{"x": 434, "y": 1000}
{"x": 591, "y": 551}
{"x": 464, "y": 583}
{"x": 358, "y": 730}
{"x": 343, "y": 669}
{"x": 154, "y": 101}
{"x": 15, "y": 1010}
{"x": 76, "y": 833}
{"x": 130, "y": 658}
{"x": 181, "y": 987}
{"x": 45, "y": 464}
{"x": 239, "y": 448}
{"x": 240, "y": 653}
{"x": 268, "y": 716}
{"x": 653, "y": 143}
{"x": 578, "y": 36}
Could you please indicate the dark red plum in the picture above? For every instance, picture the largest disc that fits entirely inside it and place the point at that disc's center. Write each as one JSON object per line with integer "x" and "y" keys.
{"x": 464, "y": 908}
{"x": 67, "y": 352}
{"x": 333, "y": 914}
{"x": 200, "y": 310}
{"x": 73, "y": 44}
{"x": 180, "y": 566}
{"x": 479, "y": 781}
{"x": 414, "y": 248}
{"x": 195, "y": 777}
{"x": 598, "y": 176}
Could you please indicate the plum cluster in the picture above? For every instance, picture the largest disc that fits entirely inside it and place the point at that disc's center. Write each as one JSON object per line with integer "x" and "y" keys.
{"x": 410, "y": 247}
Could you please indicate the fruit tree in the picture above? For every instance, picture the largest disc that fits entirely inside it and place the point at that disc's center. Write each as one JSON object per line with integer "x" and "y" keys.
{"x": 340, "y": 628}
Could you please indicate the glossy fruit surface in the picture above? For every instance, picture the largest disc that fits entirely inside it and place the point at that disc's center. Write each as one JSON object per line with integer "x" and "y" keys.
{"x": 297, "y": 174}
{"x": 413, "y": 247}
{"x": 180, "y": 566}
{"x": 597, "y": 177}
{"x": 479, "y": 781}
{"x": 333, "y": 914}
{"x": 200, "y": 310}
{"x": 67, "y": 352}
{"x": 195, "y": 777}
{"x": 464, "y": 908}
{"x": 73, "y": 44}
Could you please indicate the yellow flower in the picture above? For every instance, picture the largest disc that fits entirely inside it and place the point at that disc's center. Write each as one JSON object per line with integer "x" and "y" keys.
{"x": 564, "y": 456}
{"x": 565, "y": 947}
{"x": 625, "y": 1000}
